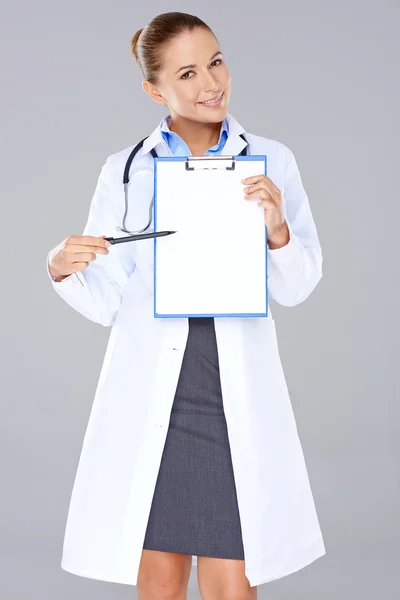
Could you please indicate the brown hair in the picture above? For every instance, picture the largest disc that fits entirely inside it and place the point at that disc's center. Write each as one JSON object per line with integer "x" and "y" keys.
{"x": 147, "y": 43}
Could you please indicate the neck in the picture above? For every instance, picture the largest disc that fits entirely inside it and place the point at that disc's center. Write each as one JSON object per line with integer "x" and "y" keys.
{"x": 198, "y": 136}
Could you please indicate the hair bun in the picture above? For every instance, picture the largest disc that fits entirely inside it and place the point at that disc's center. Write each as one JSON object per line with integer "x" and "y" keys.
{"x": 134, "y": 43}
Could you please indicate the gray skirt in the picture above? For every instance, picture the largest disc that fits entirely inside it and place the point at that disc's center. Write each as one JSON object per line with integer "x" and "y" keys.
{"x": 194, "y": 508}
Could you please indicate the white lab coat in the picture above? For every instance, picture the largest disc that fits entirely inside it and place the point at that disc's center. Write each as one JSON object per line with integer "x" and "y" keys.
{"x": 126, "y": 432}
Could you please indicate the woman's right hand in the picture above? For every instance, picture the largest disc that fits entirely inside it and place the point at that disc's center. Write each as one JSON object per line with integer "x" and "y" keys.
{"x": 75, "y": 253}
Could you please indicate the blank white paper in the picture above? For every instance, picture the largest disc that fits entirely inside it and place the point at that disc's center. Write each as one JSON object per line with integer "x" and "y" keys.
{"x": 216, "y": 263}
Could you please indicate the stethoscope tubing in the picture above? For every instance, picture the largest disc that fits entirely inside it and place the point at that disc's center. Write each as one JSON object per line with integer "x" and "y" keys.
{"x": 140, "y": 235}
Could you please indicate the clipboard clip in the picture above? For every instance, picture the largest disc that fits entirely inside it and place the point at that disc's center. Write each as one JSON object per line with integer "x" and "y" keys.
{"x": 200, "y": 162}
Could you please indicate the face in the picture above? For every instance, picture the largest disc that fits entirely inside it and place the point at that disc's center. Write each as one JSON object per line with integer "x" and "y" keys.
{"x": 194, "y": 71}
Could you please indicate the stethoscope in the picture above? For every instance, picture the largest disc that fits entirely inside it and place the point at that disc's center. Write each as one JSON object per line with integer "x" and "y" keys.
{"x": 125, "y": 182}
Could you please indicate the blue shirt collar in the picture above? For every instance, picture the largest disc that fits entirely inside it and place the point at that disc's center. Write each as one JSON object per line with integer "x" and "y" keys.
{"x": 179, "y": 147}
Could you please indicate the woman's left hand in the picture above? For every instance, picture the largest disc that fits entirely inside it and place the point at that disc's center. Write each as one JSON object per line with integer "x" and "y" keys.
{"x": 271, "y": 200}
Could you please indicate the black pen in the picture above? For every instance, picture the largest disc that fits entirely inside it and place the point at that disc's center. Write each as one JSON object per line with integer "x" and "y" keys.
{"x": 139, "y": 236}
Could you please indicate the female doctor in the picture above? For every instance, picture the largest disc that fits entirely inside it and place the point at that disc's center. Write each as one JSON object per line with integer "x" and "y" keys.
{"x": 191, "y": 450}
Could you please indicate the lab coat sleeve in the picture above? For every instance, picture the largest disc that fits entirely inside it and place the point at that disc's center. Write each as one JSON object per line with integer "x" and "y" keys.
{"x": 97, "y": 291}
{"x": 295, "y": 269}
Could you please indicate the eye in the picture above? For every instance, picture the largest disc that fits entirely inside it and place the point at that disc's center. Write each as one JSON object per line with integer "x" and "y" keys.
{"x": 220, "y": 60}
{"x": 187, "y": 73}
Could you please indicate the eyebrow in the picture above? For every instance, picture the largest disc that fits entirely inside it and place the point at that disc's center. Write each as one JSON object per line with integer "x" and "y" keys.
{"x": 194, "y": 66}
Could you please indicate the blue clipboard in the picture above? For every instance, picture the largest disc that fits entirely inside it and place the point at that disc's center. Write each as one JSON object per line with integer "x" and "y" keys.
{"x": 228, "y": 163}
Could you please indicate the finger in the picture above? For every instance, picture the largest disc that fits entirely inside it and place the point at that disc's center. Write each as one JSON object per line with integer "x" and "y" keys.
{"x": 265, "y": 183}
{"x": 259, "y": 192}
{"x": 253, "y": 179}
{"x": 264, "y": 194}
{"x": 262, "y": 185}
{"x": 88, "y": 240}
{"x": 79, "y": 248}
{"x": 83, "y": 257}
{"x": 257, "y": 178}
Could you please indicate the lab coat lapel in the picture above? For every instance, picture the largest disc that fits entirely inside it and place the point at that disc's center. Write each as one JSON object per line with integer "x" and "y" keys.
{"x": 234, "y": 144}
{"x": 156, "y": 140}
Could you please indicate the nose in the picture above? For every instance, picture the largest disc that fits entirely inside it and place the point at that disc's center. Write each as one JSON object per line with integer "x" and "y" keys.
{"x": 211, "y": 83}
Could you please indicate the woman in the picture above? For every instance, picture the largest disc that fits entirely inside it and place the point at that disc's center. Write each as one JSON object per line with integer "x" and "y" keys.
{"x": 191, "y": 448}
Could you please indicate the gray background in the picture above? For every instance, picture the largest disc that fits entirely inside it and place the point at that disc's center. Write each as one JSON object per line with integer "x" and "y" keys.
{"x": 321, "y": 78}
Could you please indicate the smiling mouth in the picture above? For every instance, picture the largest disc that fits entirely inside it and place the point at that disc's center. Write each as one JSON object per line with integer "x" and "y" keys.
{"x": 214, "y": 100}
